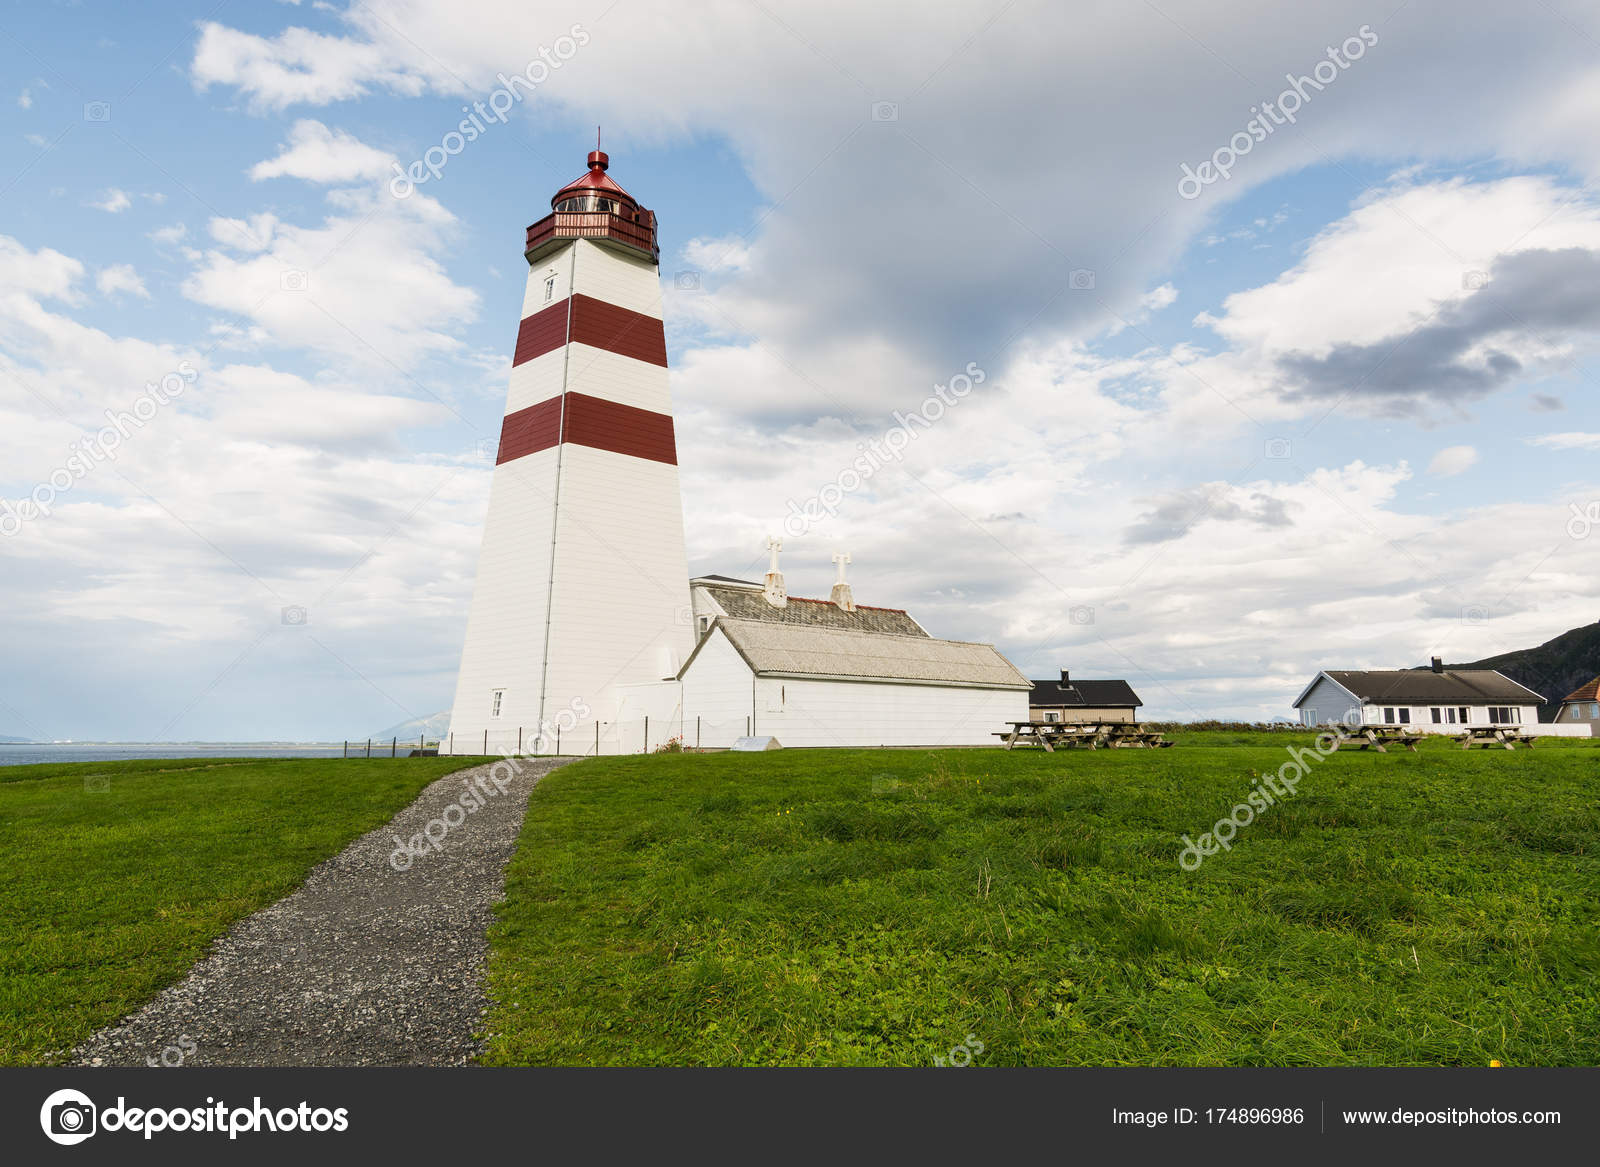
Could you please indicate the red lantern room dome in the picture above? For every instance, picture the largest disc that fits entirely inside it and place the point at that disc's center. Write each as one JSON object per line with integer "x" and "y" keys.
{"x": 593, "y": 206}
{"x": 585, "y": 192}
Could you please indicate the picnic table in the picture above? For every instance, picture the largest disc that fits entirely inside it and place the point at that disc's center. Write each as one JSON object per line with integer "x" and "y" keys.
{"x": 1380, "y": 737}
{"x": 1489, "y": 736}
{"x": 1081, "y": 734}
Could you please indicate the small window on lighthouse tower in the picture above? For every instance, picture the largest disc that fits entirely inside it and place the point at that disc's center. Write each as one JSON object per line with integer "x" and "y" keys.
{"x": 549, "y": 289}
{"x": 495, "y": 702}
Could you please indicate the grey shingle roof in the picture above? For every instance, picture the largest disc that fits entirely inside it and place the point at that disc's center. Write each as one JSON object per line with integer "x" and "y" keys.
{"x": 747, "y": 604}
{"x": 774, "y": 648}
{"x": 1078, "y": 694}
{"x": 1425, "y": 685}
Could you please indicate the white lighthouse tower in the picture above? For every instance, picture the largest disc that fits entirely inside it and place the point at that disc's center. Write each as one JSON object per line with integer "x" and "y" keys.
{"x": 581, "y": 607}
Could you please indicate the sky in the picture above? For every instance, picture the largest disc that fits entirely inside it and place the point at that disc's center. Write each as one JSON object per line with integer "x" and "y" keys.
{"x": 1280, "y": 323}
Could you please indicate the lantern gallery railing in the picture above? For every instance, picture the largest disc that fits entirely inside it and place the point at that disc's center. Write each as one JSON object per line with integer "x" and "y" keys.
{"x": 559, "y": 225}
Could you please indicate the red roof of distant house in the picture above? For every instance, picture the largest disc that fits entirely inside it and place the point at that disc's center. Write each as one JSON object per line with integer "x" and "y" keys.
{"x": 1589, "y": 692}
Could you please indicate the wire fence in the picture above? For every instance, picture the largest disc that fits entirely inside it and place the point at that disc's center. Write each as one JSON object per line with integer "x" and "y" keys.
{"x": 639, "y": 735}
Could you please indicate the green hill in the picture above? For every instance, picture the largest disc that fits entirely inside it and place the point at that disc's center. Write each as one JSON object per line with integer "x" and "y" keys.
{"x": 1554, "y": 669}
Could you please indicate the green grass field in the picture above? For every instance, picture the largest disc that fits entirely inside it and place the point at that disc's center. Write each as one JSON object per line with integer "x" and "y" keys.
{"x": 877, "y": 907}
{"x": 118, "y": 875}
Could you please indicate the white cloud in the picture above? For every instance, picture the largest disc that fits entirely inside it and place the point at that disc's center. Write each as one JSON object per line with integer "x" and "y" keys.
{"x": 1159, "y": 298}
{"x": 366, "y": 285}
{"x": 1453, "y": 460}
{"x": 299, "y": 66}
{"x": 25, "y": 99}
{"x": 119, "y": 278}
{"x": 169, "y": 236}
{"x": 113, "y": 201}
{"x": 318, "y": 154}
{"x": 1567, "y": 441}
{"x": 44, "y": 273}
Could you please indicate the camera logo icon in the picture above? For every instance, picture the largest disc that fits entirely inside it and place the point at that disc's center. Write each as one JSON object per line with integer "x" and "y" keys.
{"x": 97, "y": 111}
{"x": 294, "y": 615}
{"x": 885, "y": 111}
{"x": 293, "y": 280}
{"x": 1080, "y": 279}
{"x": 1474, "y": 281}
{"x": 68, "y": 1117}
{"x": 1279, "y": 449}
{"x": 687, "y": 281}
{"x": 1080, "y": 614}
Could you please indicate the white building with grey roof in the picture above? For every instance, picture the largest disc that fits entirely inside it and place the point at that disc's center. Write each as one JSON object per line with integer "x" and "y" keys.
{"x": 1431, "y": 700}
{"x": 832, "y": 672}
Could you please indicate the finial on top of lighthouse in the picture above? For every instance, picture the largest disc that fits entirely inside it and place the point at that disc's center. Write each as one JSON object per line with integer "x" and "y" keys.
{"x": 777, "y": 595}
{"x": 842, "y": 597}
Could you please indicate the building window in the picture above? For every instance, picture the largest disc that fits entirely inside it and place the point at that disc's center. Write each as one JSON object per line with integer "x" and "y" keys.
{"x": 1405, "y": 717}
{"x": 495, "y": 701}
{"x": 705, "y": 625}
{"x": 1051, "y": 715}
{"x": 1438, "y": 715}
{"x": 1577, "y": 712}
{"x": 1463, "y": 711}
{"x": 549, "y": 289}
{"x": 1504, "y": 714}
{"x": 1594, "y": 709}
{"x": 1450, "y": 715}
{"x": 1388, "y": 714}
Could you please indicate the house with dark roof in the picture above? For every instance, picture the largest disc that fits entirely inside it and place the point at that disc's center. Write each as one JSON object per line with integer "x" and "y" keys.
{"x": 1080, "y": 700}
{"x": 1434, "y": 700}
{"x": 1582, "y": 707}
{"x": 814, "y": 672}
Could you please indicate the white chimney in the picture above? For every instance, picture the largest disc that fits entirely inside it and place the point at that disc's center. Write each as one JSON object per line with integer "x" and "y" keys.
{"x": 777, "y": 595}
{"x": 841, "y": 596}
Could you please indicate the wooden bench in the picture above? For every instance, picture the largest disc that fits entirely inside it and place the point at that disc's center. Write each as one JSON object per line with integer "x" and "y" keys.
{"x": 1490, "y": 736}
{"x": 1380, "y": 738}
{"x": 1089, "y": 735}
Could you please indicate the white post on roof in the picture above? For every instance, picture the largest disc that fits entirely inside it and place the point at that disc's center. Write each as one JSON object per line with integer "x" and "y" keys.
{"x": 841, "y": 597}
{"x": 777, "y": 595}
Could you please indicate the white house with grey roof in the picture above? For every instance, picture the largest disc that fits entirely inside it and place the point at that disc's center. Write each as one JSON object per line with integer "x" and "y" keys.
{"x": 1432, "y": 700}
{"x": 831, "y": 672}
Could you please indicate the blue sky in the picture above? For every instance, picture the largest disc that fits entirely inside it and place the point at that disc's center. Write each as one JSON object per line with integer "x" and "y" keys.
{"x": 1337, "y": 411}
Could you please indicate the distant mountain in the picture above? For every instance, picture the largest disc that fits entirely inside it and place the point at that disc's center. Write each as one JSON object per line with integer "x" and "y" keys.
{"x": 433, "y": 727}
{"x": 1552, "y": 670}
{"x": 14, "y": 741}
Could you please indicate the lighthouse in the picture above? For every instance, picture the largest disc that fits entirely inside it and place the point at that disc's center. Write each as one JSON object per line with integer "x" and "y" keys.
{"x": 581, "y": 609}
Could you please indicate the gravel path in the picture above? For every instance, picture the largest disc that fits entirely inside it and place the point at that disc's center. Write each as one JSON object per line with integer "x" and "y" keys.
{"x": 378, "y": 960}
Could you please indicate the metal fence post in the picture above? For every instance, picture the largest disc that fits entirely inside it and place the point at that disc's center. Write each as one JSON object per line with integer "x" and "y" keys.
{"x": 369, "y": 747}
{"x": 485, "y": 744}
{"x": 597, "y": 739}
{"x": 519, "y": 739}
{"x": 647, "y": 733}
{"x": 558, "y": 739}
{"x": 697, "y": 731}
{"x": 394, "y": 748}
{"x": 347, "y": 747}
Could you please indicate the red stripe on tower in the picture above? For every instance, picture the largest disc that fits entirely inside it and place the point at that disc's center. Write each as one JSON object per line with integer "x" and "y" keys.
{"x": 595, "y": 323}
{"x": 589, "y": 421}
